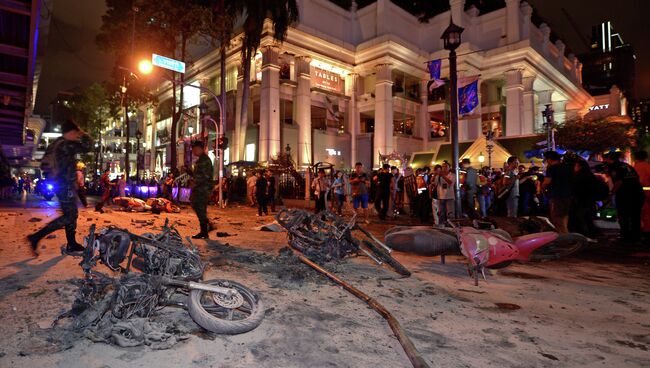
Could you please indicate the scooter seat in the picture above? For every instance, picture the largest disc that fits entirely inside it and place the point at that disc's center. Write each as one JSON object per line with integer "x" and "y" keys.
{"x": 535, "y": 240}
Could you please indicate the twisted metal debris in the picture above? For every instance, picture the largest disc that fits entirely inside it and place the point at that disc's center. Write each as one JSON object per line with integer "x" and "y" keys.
{"x": 326, "y": 237}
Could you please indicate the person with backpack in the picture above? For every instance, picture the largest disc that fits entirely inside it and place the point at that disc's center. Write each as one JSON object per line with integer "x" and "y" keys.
{"x": 60, "y": 164}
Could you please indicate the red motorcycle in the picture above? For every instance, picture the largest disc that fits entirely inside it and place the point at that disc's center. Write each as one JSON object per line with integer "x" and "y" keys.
{"x": 496, "y": 249}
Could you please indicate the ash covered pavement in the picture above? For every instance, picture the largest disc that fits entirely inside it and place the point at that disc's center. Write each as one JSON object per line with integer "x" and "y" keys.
{"x": 590, "y": 309}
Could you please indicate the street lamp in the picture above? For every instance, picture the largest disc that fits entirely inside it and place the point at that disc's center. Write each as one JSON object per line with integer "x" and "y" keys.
{"x": 481, "y": 158}
{"x": 451, "y": 39}
{"x": 138, "y": 136}
{"x": 549, "y": 125}
{"x": 489, "y": 146}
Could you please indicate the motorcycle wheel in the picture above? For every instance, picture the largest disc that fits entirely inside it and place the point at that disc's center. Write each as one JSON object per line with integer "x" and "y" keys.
{"x": 48, "y": 197}
{"x": 564, "y": 245}
{"x": 216, "y": 318}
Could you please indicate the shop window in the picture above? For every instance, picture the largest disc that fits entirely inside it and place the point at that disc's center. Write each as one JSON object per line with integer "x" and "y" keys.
{"x": 367, "y": 125}
{"x": 250, "y": 152}
{"x": 437, "y": 94}
{"x": 404, "y": 126}
{"x": 318, "y": 118}
{"x": 438, "y": 129}
{"x": 492, "y": 122}
{"x": 286, "y": 111}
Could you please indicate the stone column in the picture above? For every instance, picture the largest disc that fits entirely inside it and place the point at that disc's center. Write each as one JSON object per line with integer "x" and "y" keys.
{"x": 526, "y": 14}
{"x": 513, "y": 19}
{"x": 543, "y": 99}
{"x": 239, "y": 141}
{"x": 514, "y": 102}
{"x": 269, "y": 137}
{"x": 303, "y": 110}
{"x": 528, "y": 121}
{"x": 354, "y": 118}
{"x": 457, "y": 8}
{"x": 383, "y": 136}
{"x": 424, "y": 121}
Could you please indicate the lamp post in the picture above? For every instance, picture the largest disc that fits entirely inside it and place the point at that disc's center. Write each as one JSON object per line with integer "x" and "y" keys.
{"x": 489, "y": 146}
{"x": 549, "y": 125}
{"x": 146, "y": 67}
{"x": 451, "y": 39}
{"x": 138, "y": 136}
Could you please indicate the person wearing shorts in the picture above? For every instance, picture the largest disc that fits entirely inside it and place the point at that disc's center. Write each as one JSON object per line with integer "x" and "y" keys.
{"x": 359, "y": 181}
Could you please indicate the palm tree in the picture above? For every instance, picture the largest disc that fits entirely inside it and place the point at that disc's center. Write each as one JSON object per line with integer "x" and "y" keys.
{"x": 282, "y": 14}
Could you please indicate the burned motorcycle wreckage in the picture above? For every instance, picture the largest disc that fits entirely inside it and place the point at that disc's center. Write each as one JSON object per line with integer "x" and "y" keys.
{"x": 325, "y": 237}
{"x": 119, "y": 310}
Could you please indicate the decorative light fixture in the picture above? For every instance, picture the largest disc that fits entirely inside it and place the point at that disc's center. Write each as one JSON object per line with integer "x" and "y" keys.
{"x": 481, "y": 158}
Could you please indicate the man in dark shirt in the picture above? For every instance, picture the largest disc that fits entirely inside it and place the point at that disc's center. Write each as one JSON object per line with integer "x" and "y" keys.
{"x": 557, "y": 183}
{"x": 359, "y": 182}
{"x": 628, "y": 196}
{"x": 384, "y": 184}
{"x": 65, "y": 150}
{"x": 202, "y": 186}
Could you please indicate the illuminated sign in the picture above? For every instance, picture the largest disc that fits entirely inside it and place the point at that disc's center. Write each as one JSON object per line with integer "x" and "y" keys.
{"x": 599, "y": 107}
{"x": 326, "y": 80}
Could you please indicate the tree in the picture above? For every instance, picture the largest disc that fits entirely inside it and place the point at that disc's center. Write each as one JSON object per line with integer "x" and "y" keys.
{"x": 282, "y": 14}
{"x": 134, "y": 29}
{"x": 594, "y": 136}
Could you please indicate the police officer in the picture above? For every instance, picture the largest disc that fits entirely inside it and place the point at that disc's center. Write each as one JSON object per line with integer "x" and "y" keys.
{"x": 73, "y": 142}
{"x": 203, "y": 184}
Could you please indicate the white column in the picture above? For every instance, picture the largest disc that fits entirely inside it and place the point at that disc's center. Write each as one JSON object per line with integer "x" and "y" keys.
{"x": 457, "y": 8}
{"x": 543, "y": 99}
{"x": 269, "y": 138}
{"x": 424, "y": 121}
{"x": 514, "y": 102}
{"x": 354, "y": 118}
{"x": 383, "y": 136}
{"x": 528, "y": 121}
{"x": 303, "y": 110}
{"x": 239, "y": 141}
{"x": 513, "y": 21}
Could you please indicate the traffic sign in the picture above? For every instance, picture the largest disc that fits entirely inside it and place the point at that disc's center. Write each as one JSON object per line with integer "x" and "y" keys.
{"x": 168, "y": 63}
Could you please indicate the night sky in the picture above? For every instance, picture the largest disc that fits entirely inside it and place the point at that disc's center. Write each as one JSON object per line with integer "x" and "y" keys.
{"x": 73, "y": 60}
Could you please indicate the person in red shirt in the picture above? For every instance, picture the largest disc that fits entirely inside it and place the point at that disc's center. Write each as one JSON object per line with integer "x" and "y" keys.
{"x": 105, "y": 183}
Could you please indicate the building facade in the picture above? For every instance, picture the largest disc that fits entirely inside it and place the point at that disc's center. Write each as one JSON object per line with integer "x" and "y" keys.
{"x": 348, "y": 86}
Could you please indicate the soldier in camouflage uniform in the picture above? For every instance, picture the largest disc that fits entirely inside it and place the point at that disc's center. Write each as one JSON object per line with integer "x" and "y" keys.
{"x": 66, "y": 148}
{"x": 203, "y": 184}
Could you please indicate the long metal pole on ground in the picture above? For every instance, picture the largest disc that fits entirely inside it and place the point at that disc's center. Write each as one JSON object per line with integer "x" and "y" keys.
{"x": 409, "y": 348}
{"x": 453, "y": 95}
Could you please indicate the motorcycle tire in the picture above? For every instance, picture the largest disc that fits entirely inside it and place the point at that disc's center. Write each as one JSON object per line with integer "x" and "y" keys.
{"x": 564, "y": 245}
{"x": 221, "y": 324}
{"x": 383, "y": 255}
{"x": 424, "y": 241}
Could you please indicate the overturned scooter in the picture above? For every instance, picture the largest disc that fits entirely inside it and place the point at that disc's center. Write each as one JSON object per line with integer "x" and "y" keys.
{"x": 171, "y": 275}
{"x": 495, "y": 249}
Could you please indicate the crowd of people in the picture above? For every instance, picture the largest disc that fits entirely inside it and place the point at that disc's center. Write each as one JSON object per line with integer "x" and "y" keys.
{"x": 567, "y": 190}
{"x": 261, "y": 190}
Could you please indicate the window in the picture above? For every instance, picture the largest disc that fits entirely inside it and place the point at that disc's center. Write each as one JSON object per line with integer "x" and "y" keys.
{"x": 250, "y": 152}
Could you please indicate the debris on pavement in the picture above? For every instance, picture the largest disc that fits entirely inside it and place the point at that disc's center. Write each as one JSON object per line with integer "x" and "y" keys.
{"x": 35, "y": 219}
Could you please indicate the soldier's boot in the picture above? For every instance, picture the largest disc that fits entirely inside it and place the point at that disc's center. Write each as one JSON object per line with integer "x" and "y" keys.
{"x": 203, "y": 234}
{"x": 72, "y": 245}
{"x": 34, "y": 239}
